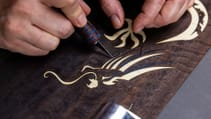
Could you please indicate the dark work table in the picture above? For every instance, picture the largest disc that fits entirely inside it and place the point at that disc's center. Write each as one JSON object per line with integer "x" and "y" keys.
{"x": 26, "y": 94}
{"x": 193, "y": 99}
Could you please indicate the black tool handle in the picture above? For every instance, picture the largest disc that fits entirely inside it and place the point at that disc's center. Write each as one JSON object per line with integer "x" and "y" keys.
{"x": 89, "y": 33}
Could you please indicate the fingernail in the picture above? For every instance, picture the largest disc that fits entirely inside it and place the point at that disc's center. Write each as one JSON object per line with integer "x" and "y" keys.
{"x": 81, "y": 20}
{"x": 116, "y": 21}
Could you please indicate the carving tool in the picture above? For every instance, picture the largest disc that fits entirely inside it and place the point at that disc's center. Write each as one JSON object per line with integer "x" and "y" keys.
{"x": 92, "y": 36}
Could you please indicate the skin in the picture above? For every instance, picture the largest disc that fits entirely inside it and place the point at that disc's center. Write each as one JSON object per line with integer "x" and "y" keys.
{"x": 153, "y": 14}
{"x": 34, "y": 28}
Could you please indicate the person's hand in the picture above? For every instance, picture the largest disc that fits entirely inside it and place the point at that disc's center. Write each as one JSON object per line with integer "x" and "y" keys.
{"x": 154, "y": 13}
{"x": 32, "y": 27}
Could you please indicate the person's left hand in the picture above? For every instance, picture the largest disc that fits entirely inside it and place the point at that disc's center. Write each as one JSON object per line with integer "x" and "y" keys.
{"x": 154, "y": 13}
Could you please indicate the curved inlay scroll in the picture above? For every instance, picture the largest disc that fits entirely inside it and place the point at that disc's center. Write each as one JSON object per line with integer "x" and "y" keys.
{"x": 115, "y": 64}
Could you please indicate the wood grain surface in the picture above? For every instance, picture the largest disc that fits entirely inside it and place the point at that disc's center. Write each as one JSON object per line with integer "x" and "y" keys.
{"x": 25, "y": 94}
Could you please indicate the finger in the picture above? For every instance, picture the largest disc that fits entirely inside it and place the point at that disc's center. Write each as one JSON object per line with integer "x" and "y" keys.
{"x": 184, "y": 8}
{"x": 191, "y": 3}
{"x": 15, "y": 32}
{"x": 58, "y": 3}
{"x": 71, "y": 9}
{"x": 41, "y": 39}
{"x": 19, "y": 46}
{"x": 150, "y": 10}
{"x": 85, "y": 7}
{"x": 171, "y": 12}
{"x": 76, "y": 14}
{"x": 114, "y": 10}
{"x": 52, "y": 22}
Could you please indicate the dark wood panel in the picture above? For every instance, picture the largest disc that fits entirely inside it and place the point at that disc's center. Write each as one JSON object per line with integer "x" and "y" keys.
{"x": 26, "y": 94}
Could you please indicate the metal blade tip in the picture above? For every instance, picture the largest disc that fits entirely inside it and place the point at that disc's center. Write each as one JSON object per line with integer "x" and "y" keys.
{"x": 100, "y": 45}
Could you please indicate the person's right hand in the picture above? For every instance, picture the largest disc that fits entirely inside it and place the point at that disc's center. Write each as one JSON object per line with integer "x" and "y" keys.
{"x": 153, "y": 14}
{"x": 32, "y": 27}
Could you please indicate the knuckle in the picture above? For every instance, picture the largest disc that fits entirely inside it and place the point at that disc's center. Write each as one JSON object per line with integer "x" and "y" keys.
{"x": 148, "y": 18}
{"x": 22, "y": 8}
{"x": 65, "y": 29}
{"x": 12, "y": 27}
{"x": 46, "y": 42}
{"x": 13, "y": 24}
{"x": 38, "y": 42}
{"x": 54, "y": 44}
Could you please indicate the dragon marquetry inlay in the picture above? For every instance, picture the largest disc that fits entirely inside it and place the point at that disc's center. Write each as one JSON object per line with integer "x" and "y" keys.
{"x": 127, "y": 68}
{"x": 120, "y": 65}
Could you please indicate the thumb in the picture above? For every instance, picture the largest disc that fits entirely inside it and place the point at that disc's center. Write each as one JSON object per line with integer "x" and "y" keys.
{"x": 114, "y": 10}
